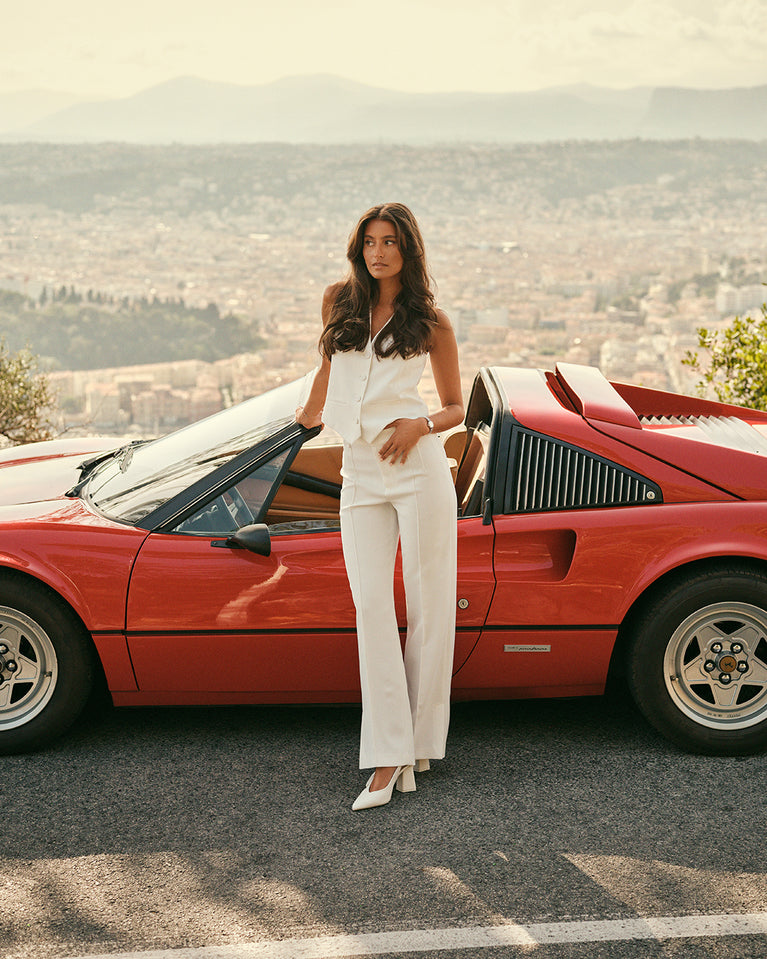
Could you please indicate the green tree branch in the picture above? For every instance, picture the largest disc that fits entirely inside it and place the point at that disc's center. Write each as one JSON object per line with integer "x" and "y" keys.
{"x": 737, "y": 364}
{"x": 25, "y": 398}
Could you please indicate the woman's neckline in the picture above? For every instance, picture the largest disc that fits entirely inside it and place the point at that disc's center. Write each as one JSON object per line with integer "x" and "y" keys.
{"x": 370, "y": 324}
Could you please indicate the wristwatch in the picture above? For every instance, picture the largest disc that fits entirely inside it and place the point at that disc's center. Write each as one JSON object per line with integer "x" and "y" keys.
{"x": 429, "y": 424}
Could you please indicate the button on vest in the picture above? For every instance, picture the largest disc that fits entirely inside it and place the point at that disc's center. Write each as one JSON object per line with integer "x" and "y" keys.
{"x": 365, "y": 392}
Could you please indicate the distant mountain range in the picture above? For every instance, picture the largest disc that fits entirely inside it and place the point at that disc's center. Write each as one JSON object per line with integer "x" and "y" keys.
{"x": 19, "y": 110}
{"x": 328, "y": 109}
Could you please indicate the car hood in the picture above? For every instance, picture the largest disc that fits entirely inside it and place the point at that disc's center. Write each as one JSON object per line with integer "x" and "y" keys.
{"x": 45, "y": 471}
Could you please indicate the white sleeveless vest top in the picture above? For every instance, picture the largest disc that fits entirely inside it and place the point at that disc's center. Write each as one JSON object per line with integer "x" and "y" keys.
{"x": 366, "y": 392}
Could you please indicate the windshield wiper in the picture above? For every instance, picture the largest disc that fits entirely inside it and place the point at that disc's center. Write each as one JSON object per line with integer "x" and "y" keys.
{"x": 124, "y": 453}
{"x": 125, "y": 457}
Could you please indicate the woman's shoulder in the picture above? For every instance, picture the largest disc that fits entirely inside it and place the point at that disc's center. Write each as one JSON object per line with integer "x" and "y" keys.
{"x": 331, "y": 292}
{"x": 442, "y": 332}
{"x": 329, "y": 298}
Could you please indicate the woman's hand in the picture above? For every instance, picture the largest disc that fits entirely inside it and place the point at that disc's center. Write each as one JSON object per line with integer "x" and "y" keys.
{"x": 306, "y": 419}
{"x": 406, "y": 434}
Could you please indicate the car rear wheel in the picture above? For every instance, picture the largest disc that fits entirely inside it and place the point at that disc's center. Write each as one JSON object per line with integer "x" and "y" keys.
{"x": 698, "y": 663}
{"x": 46, "y": 667}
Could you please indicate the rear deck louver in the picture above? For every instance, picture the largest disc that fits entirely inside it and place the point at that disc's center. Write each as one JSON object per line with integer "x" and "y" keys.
{"x": 549, "y": 475}
{"x": 729, "y": 431}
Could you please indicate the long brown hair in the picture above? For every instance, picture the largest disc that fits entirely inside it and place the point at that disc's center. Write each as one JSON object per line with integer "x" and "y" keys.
{"x": 415, "y": 316}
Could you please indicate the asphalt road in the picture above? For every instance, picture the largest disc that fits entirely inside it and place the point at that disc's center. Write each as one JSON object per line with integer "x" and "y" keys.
{"x": 185, "y": 829}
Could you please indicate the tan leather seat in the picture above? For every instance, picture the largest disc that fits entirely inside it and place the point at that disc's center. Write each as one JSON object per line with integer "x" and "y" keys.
{"x": 471, "y": 468}
{"x": 455, "y": 443}
{"x": 291, "y": 502}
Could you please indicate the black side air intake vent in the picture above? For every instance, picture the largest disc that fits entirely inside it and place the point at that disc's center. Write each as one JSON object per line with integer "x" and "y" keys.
{"x": 548, "y": 474}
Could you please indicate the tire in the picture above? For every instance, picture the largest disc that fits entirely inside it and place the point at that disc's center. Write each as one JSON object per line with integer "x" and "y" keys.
{"x": 47, "y": 667}
{"x": 697, "y": 666}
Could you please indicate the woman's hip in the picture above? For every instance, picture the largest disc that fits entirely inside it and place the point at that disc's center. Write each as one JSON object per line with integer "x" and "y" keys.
{"x": 367, "y": 478}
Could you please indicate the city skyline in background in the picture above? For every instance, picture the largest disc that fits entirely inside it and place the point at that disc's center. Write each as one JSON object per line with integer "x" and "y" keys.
{"x": 99, "y": 51}
{"x": 157, "y": 283}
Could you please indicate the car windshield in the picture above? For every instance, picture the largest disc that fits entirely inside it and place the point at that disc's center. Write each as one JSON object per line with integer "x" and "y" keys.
{"x": 139, "y": 479}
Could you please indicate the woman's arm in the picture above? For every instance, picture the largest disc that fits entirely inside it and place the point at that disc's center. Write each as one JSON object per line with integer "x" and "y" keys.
{"x": 447, "y": 378}
{"x": 310, "y": 414}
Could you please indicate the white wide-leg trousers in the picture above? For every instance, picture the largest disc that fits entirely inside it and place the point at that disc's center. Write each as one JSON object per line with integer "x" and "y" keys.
{"x": 405, "y": 699}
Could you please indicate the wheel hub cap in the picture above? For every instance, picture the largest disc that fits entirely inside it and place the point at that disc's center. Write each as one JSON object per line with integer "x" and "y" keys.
{"x": 715, "y": 666}
{"x": 728, "y": 664}
{"x": 28, "y": 668}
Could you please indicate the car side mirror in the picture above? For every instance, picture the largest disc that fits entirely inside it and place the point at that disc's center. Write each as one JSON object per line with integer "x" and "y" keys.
{"x": 254, "y": 537}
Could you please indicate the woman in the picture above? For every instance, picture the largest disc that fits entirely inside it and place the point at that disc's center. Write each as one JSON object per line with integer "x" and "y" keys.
{"x": 379, "y": 326}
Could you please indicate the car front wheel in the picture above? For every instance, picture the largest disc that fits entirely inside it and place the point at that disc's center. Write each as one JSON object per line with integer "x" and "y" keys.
{"x": 46, "y": 667}
{"x": 698, "y": 663}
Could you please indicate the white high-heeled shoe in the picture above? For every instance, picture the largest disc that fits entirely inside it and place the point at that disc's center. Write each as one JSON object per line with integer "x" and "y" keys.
{"x": 422, "y": 765}
{"x": 402, "y": 777}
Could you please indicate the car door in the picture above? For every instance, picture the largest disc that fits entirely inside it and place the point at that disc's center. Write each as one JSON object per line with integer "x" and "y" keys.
{"x": 208, "y": 622}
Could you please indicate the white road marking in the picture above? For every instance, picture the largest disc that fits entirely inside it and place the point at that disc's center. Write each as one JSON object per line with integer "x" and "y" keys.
{"x": 470, "y": 937}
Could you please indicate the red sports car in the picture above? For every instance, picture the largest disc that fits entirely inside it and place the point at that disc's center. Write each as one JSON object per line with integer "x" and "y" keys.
{"x": 601, "y": 527}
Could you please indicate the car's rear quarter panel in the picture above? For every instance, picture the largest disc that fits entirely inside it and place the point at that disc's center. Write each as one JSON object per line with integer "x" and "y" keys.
{"x": 568, "y": 579}
{"x": 566, "y": 582}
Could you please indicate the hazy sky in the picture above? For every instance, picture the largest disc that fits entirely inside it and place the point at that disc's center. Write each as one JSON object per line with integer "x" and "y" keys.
{"x": 108, "y": 48}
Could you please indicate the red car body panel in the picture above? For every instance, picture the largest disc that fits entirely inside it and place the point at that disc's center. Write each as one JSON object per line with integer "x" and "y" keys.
{"x": 271, "y": 628}
{"x": 534, "y": 403}
{"x": 526, "y": 664}
{"x": 646, "y": 403}
{"x": 82, "y": 556}
{"x": 81, "y": 447}
{"x": 741, "y": 473}
{"x": 39, "y": 480}
{"x": 588, "y": 568}
{"x": 112, "y": 649}
{"x": 542, "y": 595}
